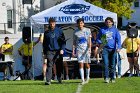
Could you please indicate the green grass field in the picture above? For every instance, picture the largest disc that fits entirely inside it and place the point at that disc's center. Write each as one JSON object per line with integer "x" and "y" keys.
{"x": 123, "y": 85}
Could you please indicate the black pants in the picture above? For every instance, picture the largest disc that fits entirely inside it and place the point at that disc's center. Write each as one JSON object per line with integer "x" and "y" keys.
{"x": 2, "y": 57}
{"x": 26, "y": 62}
{"x": 134, "y": 54}
{"x": 54, "y": 57}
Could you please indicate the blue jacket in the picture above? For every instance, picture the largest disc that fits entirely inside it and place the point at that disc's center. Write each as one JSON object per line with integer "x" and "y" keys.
{"x": 112, "y": 36}
{"x": 53, "y": 40}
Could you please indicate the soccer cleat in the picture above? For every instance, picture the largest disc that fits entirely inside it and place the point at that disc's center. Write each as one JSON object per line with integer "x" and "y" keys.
{"x": 83, "y": 82}
{"x": 87, "y": 80}
{"x": 114, "y": 76}
{"x": 119, "y": 76}
{"x": 47, "y": 83}
{"x": 106, "y": 80}
{"x": 112, "y": 80}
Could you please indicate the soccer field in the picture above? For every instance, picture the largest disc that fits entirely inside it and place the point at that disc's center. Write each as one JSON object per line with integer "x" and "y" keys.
{"x": 122, "y": 85}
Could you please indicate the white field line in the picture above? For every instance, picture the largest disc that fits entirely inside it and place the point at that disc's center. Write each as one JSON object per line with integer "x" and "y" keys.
{"x": 79, "y": 88}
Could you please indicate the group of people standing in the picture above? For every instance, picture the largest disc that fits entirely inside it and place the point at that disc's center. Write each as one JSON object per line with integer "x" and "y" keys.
{"x": 108, "y": 40}
{"x": 108, "y": 37}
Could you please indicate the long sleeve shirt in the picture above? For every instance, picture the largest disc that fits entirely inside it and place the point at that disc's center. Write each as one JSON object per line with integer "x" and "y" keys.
{"x": 112, "y": 36}
{"x": 53, "y": 40}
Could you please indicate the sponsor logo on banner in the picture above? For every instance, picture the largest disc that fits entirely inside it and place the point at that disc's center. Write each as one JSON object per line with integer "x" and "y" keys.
{"x": 74, "y": 9}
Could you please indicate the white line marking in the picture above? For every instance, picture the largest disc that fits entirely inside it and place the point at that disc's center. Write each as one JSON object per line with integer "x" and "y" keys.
{"x": 79, "y": 88}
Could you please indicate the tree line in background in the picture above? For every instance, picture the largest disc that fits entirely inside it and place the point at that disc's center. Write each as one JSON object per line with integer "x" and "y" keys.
{"x": 121, "y": 7}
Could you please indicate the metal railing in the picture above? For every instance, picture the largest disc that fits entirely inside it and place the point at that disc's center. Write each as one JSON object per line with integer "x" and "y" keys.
{"x": 6, "y": 28}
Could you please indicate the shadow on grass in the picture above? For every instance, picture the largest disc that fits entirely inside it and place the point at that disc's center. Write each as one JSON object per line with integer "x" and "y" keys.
{"x": 22, "y": 83}
{"x": 36, "y": 82}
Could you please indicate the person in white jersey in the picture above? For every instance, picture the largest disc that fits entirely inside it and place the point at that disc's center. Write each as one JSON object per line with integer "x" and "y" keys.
{"x": 82, "y": 44}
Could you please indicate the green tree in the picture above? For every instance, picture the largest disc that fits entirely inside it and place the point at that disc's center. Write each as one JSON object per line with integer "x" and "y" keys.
{"x": 121, "y": 7}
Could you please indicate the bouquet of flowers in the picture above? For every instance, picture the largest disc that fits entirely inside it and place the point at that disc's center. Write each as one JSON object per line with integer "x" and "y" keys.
{"x": 104, "y": 42}
{"x": 103, "y": 39}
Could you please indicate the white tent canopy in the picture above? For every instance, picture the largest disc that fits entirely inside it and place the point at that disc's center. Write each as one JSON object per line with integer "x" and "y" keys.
{"x": 69, "y": 11}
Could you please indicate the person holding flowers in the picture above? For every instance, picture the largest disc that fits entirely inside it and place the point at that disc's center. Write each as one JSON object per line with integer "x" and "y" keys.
{"x": 110, "y": 42}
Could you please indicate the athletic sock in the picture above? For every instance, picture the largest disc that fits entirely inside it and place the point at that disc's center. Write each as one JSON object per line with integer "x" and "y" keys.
{"x": 81, "y": 70}
{"x": 87, "y": 73}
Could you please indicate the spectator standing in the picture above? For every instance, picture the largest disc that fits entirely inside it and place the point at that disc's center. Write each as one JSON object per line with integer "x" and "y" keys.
{"x": 25, "y": 50}
{"x": 132, "y": 54}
